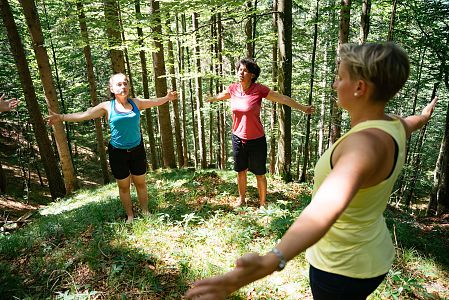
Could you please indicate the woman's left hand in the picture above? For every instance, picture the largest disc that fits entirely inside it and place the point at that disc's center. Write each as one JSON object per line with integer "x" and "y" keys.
{"x": 172, "y": 95}
{"x": 309, "y": 109}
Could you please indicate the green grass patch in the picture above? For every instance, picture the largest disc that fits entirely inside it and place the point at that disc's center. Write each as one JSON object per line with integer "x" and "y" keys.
{"x": 81, "y": 248}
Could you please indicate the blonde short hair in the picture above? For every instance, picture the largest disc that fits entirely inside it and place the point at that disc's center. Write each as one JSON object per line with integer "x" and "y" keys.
{"x": 385, "y": 65}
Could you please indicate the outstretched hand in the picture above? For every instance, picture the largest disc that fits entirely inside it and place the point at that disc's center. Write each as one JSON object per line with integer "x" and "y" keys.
{"x": 7, "y": 105}
{"x": 428, "y": 110}
{"x": 309, "y": 109}
{"x": 53, "y": 118}
{"x": 172, "y": 95}
{"x": 247, "y": 269}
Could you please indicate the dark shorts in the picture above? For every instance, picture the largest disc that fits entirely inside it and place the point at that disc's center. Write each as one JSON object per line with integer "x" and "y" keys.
{"x": 250, "y": 154}
{"x": 124, "y": 162}
{"x": 330, "y": 286}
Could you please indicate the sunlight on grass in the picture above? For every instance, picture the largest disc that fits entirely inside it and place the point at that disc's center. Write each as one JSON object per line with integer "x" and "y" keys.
{"x": 81, "y": 198}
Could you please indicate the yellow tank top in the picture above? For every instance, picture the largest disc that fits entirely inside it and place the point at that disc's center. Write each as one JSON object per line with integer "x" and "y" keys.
{"x": 359, "y": 244}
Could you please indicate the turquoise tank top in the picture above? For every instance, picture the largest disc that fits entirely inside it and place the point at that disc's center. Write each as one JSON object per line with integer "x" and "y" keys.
{"x": 124, "y": 126}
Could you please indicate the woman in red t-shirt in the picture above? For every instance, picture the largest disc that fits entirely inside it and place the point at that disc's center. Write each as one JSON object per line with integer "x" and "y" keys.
{"x": 248, "y": 137}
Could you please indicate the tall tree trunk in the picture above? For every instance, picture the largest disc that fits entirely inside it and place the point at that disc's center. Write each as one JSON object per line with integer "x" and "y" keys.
{"x": 125, "y": 53}
{"x": 285, "y": 74}
{"x": 93, "y": 90}
{"x": 199, "y": 95}
{"x": 312, "y": 78}
{"x": 45, "y": 72}
{"x": 249, "y": 29}
{"x": 222, "y": 110}
{"x": 365, "y": 21}
{"x": 392, "y": 20}
{"x": 343, "y": 37}
{"x": 274, "y": 80}
{"x": 171, "y": 68}
{"x": 168, "y": 151}
{"x": 146, "y": 92}
{"x": 55, "y": 181}
{"x": 182, "y": 93}
{"x": 115, "y": 41}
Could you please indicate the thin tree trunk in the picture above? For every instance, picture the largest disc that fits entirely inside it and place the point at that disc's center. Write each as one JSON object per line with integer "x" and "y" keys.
{"x": 171, "y": 68}
{"x": 199, "y": 95}
{"x": 93, "y": 91}
{"x": 312, "y": 78}
{"x": 343, "y": 37}
{"x": 285, "y": 80}
{"x": 55, "y": 181}
{"x": 249, "y": 30}
{"x": 146, "y": 92}
{"x": 45, "y": 72}
{"x": 274, "y": 80}
{"x": 365, "y": 21}
{"x": 182, "y": 93}
{"x": 125, "y": 53}
{"x": 168, "y": 151}
{"x": 114, "y": 38}
{"x": 392, "y": 20}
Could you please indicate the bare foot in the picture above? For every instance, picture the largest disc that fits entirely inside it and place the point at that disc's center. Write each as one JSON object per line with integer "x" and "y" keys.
{"x": 145, "y": 213}
{"x": 130, "y": 219}
{"x": 240, "y": 202}
{"x": 262, "y": 204}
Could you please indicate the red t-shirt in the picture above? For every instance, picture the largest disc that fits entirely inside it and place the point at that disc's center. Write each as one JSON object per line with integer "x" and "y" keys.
{"x": 245, "y": 107}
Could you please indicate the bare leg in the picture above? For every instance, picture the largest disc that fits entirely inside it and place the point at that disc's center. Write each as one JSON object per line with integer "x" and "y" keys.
{"x": 125, "y": 196}
{"x": 142, "y": 192}
{"x": 242, "y": 183}
{"x": 262, "y": 188}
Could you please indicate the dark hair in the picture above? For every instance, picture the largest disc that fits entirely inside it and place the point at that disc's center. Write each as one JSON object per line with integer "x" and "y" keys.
{"x": 251, "y": 66}
{"x": 385, "y": 65}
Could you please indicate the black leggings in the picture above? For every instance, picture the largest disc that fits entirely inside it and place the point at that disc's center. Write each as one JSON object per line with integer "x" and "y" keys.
{"x": 330, "y": 286}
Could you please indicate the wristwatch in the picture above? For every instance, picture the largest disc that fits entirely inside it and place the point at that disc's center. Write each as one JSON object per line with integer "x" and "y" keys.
{"x": 280, "y": 256}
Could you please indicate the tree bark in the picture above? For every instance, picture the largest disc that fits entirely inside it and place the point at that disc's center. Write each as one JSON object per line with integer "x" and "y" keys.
{"x": 111, "y": 10}
{"x": 306, "y": 152}
{"x": 171, "y": 68}
{"x": 343, "y": 37}
{"x": 55, "y": 181}
{"x": 168, "y": 152}
{"x": 146, "y": 92}
{"x": 274, "y": 77}
{"x": 199, "y": 95}
{"x": 93, "y": 91}
{"x": 45, "y": 72}
{"x": 392, "y": 20}
{"x": 365, "y": 21}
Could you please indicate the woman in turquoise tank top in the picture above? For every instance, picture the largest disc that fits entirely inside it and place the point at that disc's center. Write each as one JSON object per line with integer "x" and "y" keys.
{"x": 348, "y": 244}
{"x": 126, "y": 152}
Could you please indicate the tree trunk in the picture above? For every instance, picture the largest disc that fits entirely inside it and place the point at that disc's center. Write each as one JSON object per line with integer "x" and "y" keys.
{"x": 55, "y": 181}
{"x": 306, "y": 152}
{"x": 365, "y": 21}
{"x": 115, "y": 41}
{"x": 249, "y": 30}
{"x": 392, "y": 18}
{"x": 274, "y": 77}
{"x": 199, "y": 95}
{"x": 146, "y": 92}
{"x": 222, "y": 110}
{"x": 168, "y": 152}
{"x": 45, "y": 72}
{"x": 171, "y": 64}
{"x": 343, "y": 37}
{"x": 182, "y": 93}
{"x": 285, "y": 81}
{"x": 93, "y": 91}
{"x": 125, "y": 53}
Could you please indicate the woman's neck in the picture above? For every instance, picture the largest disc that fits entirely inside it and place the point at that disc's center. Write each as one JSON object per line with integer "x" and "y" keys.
{"x": 245, "y": 86}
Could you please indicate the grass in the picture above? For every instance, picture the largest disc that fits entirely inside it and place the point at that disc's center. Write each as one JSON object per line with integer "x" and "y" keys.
{"x": 81, "y": 248}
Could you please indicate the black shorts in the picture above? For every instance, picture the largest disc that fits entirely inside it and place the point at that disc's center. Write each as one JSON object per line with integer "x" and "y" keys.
{"x": 127, "y": 161}
{"x": 327, "y": 285}
{"x": 250, "y": 154}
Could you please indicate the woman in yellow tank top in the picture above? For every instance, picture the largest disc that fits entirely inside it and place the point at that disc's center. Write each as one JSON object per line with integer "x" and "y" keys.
{"x": 348, "y": 245}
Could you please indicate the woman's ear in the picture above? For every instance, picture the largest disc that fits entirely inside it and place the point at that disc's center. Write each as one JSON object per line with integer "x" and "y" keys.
{"x": 362, "y": 87}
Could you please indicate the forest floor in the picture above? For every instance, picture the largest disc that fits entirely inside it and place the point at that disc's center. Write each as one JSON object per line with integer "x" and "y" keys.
{"x": 79, "y": 247}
